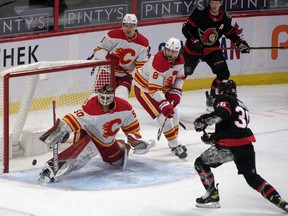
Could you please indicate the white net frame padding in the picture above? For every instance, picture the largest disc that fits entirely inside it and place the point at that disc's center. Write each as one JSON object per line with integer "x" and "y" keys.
{"x": 27, "y": 93}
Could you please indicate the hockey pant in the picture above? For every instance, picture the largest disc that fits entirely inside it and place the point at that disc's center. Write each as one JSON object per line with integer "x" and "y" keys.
{"x": 171, "y": 127}
{"x": 83, "y": 150}
{"x": 245, "y": 163}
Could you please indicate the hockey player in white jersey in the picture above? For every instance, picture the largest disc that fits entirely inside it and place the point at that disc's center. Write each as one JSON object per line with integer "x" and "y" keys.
{"x": 158, "y": 88}
{"x": 95, "y": 126}
{"x": 128, "y": 49}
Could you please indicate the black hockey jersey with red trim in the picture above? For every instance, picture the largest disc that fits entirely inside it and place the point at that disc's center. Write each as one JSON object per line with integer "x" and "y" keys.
{"x": 208, "y": 29}
{"x": 233, "y": 129}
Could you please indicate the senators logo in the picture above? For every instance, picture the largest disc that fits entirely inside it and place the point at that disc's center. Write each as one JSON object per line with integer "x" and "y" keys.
{"x": 209, "y": 37}
{"x": 126, "y": 55}
{"x": 111, "y": 128}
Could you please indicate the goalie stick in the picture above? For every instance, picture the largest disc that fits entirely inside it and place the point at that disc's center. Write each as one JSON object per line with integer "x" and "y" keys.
{"x": 56, "y": 145}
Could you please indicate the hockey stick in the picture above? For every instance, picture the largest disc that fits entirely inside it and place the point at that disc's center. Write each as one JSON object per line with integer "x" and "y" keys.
{"x": 160, "y": 130}
{"x": 237, "y": 48}
{"x": 56, "y": 145}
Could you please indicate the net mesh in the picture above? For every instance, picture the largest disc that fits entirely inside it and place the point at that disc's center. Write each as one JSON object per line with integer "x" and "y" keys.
{"x": 32, "y": 91}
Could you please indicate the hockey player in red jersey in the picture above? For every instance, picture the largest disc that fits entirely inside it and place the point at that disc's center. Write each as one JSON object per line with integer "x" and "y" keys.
{"x": 128, "y": 49}
{"x": 231, "y": 141}
{"x": 203, "y": 29}
{"x": 95, "y": 127}
{"x": 158, "y": 88}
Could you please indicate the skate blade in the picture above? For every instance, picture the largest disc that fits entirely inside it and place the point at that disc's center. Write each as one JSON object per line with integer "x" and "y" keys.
{"x": 208, "y": 205}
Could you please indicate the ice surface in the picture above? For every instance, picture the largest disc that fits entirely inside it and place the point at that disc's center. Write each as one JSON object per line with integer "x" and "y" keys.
{"x": 158, "y": 183}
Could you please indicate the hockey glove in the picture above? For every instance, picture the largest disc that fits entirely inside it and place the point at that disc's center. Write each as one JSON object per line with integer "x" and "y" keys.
{"x": 58, "y": 133}
{"x": 200, "y": 124}
{"x": 134, "y": 139}
{"x": 196, "y": 46}
{"x": 207, "y": 138}
{"x": 243, "y": 46}
{"x": 174, "y": 96}
{"x": 114, "y": 58}
{"x": 167, "y": 109}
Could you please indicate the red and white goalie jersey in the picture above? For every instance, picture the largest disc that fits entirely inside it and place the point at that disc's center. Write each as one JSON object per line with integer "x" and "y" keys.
{"x": 132, "y": 53}
{"x": 102, "y": 127}
{"x": 158, "y": 76}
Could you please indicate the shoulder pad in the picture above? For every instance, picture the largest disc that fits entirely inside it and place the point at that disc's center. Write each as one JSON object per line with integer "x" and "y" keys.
{"x": 160, "y": 63}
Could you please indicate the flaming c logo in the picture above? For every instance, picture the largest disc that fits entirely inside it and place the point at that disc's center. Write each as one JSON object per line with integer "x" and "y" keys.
{"x": 275, "y": 39}
{"x": 108, "y": 128}
{"x": 125, "y": 55}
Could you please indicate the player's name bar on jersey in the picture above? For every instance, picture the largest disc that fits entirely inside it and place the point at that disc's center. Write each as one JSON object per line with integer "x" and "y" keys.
{"x": 94, "y": 16}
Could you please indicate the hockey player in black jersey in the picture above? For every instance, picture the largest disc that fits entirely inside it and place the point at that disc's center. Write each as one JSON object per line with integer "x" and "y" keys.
{"x": 203, "y": 30}
{"x": 231, "y": 141}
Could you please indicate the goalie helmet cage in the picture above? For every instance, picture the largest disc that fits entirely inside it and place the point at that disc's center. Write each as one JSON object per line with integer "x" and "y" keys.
{"x": 28, "y": 106}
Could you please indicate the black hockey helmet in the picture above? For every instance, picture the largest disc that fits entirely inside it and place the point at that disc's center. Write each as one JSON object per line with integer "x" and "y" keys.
{"x": 227, "y": 87}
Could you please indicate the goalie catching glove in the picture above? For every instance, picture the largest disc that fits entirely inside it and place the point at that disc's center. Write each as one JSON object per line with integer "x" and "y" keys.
{"x": 140, "y": 146}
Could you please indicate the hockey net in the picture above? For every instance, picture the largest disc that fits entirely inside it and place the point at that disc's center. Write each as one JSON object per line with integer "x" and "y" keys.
{"x": 28, "y": 96}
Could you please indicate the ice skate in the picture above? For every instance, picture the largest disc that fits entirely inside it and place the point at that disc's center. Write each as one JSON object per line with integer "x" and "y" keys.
{"x": 180, "y": 151}
{"x": 47, "y": 174}
{"x": 278, "y": 201}
{"x": 209, "y": 200}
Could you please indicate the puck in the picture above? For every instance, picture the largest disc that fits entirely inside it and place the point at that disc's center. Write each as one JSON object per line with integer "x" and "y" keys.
{"x": 34, "y": 162}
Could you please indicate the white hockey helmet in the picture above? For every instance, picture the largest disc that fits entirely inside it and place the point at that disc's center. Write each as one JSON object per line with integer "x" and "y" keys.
{"x": 130, "y": 18}
{"x": 106, "y": 95}
{"x": 173, "y": 44}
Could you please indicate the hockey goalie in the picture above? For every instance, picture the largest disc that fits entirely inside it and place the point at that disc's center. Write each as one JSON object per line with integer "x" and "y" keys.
{"x": 95, "y": 127}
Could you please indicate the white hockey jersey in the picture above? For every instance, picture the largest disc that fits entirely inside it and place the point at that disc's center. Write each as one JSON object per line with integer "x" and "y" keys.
{"x": 102, "y": 127}
{"x": 133, "y": 53}
{"x": 158, "y": 76}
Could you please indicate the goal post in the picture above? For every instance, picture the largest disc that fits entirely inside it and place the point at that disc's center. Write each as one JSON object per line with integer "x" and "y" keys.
{"x": 26, "y": 96}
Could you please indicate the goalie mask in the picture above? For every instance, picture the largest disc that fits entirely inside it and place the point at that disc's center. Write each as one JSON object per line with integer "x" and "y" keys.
{"x": 227, "y": 87}
{"x": 106, "y": 95}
